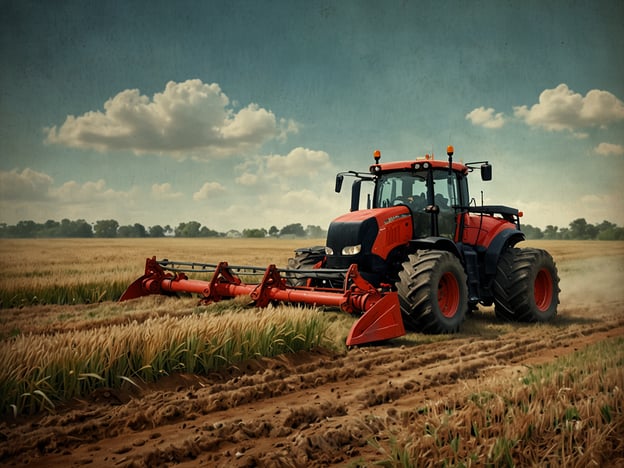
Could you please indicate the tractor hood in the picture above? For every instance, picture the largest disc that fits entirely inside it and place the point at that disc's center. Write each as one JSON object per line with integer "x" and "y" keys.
{"x": 367, "y": 236}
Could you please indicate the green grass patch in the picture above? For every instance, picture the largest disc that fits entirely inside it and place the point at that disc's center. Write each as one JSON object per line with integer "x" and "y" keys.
{"x": 77, "y": 293}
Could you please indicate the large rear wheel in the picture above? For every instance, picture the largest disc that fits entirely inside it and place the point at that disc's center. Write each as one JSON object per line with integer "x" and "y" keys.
{"x": 526, "y": 287}
{"x": 433, "y": 292}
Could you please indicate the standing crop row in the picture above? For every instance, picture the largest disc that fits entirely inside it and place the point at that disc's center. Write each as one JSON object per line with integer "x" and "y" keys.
{"x": 42, "y": 370}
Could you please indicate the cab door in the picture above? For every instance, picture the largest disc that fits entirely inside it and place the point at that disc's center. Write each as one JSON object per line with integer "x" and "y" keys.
{"x": 448, "y": 199}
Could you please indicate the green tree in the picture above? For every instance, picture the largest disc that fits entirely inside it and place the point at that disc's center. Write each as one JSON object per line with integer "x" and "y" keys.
{"x": 607, "y": 231}
{"x": 532, "y": 232}
{"x": 551, "y": 232}
{"x": 106, "y": 228}
{"x": 157, "y": 231}
{"x": 207, "y": 232}
{"x": 255, "y": 232}
{"x": 140, "y": 230}
{"x": 190, "y": 229}
{"x": 66, "y": 228}
{"x": 51, "y": 228}
{"x": 581, "y": 229}
{"x": 315, "y": 232}
{"x": 80, "y": 228}
{"x": 273, "y": 231}
{"x": 293, "y": 230}
{"x": 26, "y": 229}
{"x": 136, "y": 230}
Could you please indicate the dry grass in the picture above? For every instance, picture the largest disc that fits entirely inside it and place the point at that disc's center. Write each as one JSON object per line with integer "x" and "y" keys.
{"x": 566, "y": 250}
{"x": 55, "y": 352}
{"x": 78, "y": 271}
{"x": 90, "y": 270}
{"x": 566, "y": 413}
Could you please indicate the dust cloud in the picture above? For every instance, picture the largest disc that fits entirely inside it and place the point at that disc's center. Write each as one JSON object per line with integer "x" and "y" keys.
{"x": 595, "y": 281}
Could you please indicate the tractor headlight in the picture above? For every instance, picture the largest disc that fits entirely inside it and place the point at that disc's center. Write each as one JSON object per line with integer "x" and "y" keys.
{"x": 329, "y": 251}
{"x": 352, "y": 249}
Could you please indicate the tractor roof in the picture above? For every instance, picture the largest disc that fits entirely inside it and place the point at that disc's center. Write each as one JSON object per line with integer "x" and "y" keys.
{"x": 416, "y": 164}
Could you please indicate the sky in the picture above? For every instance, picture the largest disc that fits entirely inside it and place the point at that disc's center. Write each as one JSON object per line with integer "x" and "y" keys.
{"x": 238, "y": 114}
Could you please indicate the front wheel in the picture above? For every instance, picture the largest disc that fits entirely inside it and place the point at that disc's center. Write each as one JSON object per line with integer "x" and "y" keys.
{"x": 526, "y": 287}
{"x": 433, "y": 292}
{"x": 306, "y": 258}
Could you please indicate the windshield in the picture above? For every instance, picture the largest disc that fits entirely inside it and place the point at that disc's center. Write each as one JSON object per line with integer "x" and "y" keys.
{"x": 402, "y": 188}
{"x": 397, "y": 188}
{"x": 411, "y": 189}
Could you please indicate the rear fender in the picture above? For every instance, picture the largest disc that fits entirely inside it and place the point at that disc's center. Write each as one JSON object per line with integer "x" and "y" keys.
{"x": 506, "y": 238}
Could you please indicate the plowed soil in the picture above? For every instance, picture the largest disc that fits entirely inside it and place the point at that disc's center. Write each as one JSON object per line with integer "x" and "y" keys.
{"x": 315, "y": 408}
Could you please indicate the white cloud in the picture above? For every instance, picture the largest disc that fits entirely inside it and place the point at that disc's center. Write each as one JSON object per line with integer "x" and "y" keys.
{"x": 90, "y": 192}
{"x": 247, "y": 179}
{"x": 486, "y": 117}
{"x": 165, "y": 192}
{"x": 188, "y": 118}
{"x": 300, "y": 161}
{"x": 33, "y": 195}
{"x": 609, "y": 149}
{"x": 286, "y": 127}
{"x": 278, "y": 207}
{"x": 25, "y": 185}
{"x": 563, "y": 109}
{"x": 606, "y": 206}
{"x": 306, "y": 198}
{"x": 208, "y": 190}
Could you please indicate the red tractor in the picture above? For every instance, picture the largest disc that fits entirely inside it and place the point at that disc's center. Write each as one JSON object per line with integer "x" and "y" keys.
{"x": 420, "y": 255}
{"x": 422, "y": 235}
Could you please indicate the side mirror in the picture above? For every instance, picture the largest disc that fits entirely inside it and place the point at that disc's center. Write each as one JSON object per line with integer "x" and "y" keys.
{"x": 339, "y": 179}
{"x": 355, "y": 194}
{"x": 486, "y": 171}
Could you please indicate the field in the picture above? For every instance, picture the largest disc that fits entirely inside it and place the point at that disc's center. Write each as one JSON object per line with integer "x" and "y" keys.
{"x": 496, "y": 394}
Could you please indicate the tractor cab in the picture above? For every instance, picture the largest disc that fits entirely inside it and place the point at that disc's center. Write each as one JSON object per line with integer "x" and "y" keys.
{"x": 431, "y": 194}
{"x": 434, "y": 191}
{"x": 423, "y": 200}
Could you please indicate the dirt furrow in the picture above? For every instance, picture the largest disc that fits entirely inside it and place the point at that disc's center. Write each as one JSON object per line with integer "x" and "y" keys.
{"x": 309, "y": 409}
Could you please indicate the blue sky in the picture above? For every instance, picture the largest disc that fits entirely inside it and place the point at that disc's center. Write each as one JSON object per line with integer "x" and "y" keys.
{"x": 239, "y": 113}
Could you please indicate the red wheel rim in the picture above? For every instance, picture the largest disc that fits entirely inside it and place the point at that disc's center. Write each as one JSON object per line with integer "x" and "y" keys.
{"x": 448, "y": 295}
{"x": 543, "y": 290}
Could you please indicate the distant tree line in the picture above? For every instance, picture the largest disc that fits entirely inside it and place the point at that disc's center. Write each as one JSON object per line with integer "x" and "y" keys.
{"x": 109, "y": 228}
{"x": 579, "y": 229}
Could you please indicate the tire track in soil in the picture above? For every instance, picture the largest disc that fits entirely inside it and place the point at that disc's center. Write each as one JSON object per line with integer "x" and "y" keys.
{"x": 310, "y": 409}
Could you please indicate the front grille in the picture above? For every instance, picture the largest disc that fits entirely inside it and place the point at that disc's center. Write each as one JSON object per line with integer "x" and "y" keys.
{"x": 340, "y": 261}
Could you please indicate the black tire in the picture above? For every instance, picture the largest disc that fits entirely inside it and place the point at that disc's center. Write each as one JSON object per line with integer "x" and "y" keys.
{"x": 433, "y": 292}
{"x": 526, "y": 288}
{"x": 305, "y": 259}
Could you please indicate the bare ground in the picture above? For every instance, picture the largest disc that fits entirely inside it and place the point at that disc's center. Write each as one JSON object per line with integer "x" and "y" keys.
{"x": 319, "y": 408}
